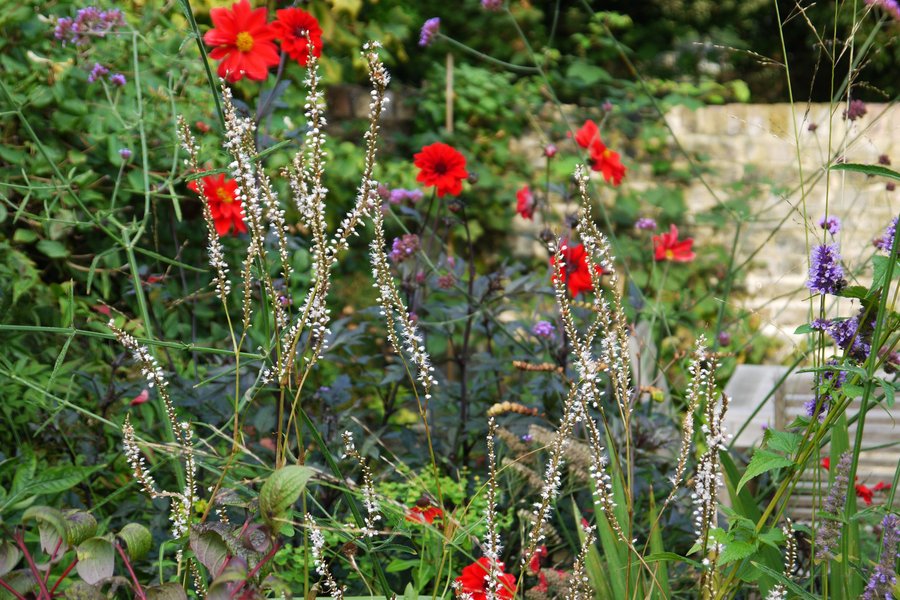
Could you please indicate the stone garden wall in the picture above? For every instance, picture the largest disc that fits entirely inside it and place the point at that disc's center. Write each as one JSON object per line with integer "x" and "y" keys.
{"x": 769, "y": 139}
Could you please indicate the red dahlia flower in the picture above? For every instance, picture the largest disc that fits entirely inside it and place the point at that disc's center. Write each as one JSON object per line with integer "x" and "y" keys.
{"x": 575, "y": 269}
{"x": 826, "y": 463}
{"x": 242, "y": 40}
{"x": 443, "y": 167}
{"x": 292, "y": 27}
{"x": 525, "y": 203}
{"x": 534, "y": 565}
{"x": 607, "y": 162}
{"x": 221, "y": 195}
{"x": 882, "y": 487}
{"x": 587, "y": 133}
{"x": 865, "y": 493}
{"x": 667, "y": 246}
{"x": 474, "y": 581}
{"x": 424, "y": 514}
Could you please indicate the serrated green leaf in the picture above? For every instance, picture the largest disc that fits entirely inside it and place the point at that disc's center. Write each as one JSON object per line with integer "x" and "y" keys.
{"x": 96, "y": 560}
{"x": 782, "y": 441}
{"x": 281, "y": 490}
{"x": 889, "y": 391}
{"x": 737, "y": 550}
{"x": 763, "y": 461}
{"x": 138, "y": 540}
{"x": 873, "y": 170}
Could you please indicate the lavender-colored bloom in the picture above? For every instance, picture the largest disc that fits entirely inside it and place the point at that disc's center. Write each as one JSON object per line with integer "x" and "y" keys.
{"x": 117, "y": 79}
{"x": 88, "y": 21}
{"x": 847, "y": 336}
{"x": 404, "y": 247}
{"x": 383, "y": 192}
{"x": 125, "y": 153}
{"x": 856, "y": 110}
{"x": 429, "y": 30}
{"x": 97, "y": 72}
{"x": 884, "y": 577}
{"x": 890, "y": 6}
{"x": 645, "y": 224}
{"x": 830, "y": 223}
{"x": 886, "y": 241}
{"x": 820, "y": 324}
{"x": 724, "y": 338}
{"x": 527, "y": 437}
{"x": 830, "y": 529}
{"x": 607, "y": 106}
{"x": 543, "y": 329}
{"x": 817, "y": 407}
{"x": 825, "y": 272}
{"x": 492, "y": 5}
{"x": 398, "y": 195}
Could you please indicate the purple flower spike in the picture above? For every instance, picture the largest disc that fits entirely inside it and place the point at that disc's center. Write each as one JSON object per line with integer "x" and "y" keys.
{"x": 831, "y": 223}
{"x": 429, "y": 30}
{"x": 826, "y": 276}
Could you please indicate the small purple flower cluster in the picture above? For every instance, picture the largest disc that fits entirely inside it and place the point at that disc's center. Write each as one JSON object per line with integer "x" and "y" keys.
{"x": 826, "y": 275}
{"x": 886, "y": 241}
{"x": 847, "y": 336}
{"x": 829, "y": 381}
{"x": 89, "y": 21}
{"x": 831, "y": 223}
{"x": 404, "y": 247}
{"x": 99, "y": 71}
{"x": 125, "y": 153}
{"x": 856, "y": 110}
{"x": 445, "y": 282}
{"x": 429, "y": 30}
{"x": 492, "y": 5}
{"x": 645, "y": 224}
{"x": 884, "y": 577}
{"x": 399, "y": 195}
{"x": 890, "y": 6}
{"x": 829, "y": 531}
{"x": 543, "y": 329}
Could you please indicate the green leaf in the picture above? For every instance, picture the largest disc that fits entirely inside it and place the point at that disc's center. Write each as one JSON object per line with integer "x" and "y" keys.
{"x": 873, "y": 170}
{"x": 79, "y": 526}
{"x": 671, "y": 556}
{"x": 736, "y": 550}
{"x": 138, "y": 540}
{"x": 80, "y": 590}
{"x": 281, "y": 490}
{"x": 889, "y": 391}
{"x": 9, "y": 557}
{"x": 210, "y": 550}
{"x": 52, "y": 249}
{"x": 762, "y": 461}
{"x": 166, "y": 591}
{"x": 782, "y": 441}
{"x": 854, "y": 291}
{"x": 96, "y": 560}
{"x": 51, "y": 525}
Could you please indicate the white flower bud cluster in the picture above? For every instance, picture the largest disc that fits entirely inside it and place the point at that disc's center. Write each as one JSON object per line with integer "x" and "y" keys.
{"x": 492, "y": 546}
{"x": 317, "y": 548}
{"x": 370, "y": 500}
{"x": 579, "y": 587}
{"x": 214, "y": 247}
{"x": 700, "y": 392}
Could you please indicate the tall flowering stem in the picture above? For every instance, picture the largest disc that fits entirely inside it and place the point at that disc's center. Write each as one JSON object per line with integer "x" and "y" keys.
{"x": 492, "y": 547}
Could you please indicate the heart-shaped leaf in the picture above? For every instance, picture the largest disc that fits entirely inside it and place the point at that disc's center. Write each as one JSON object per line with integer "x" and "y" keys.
{"x": 281, "y": 490}
{"x": 96, "y": 560}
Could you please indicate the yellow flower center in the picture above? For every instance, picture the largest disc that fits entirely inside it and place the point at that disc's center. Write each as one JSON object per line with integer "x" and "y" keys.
{"x": 669, "y": 255}
{"x": 224, "y": 196}
{"x": 244, "y": 41}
